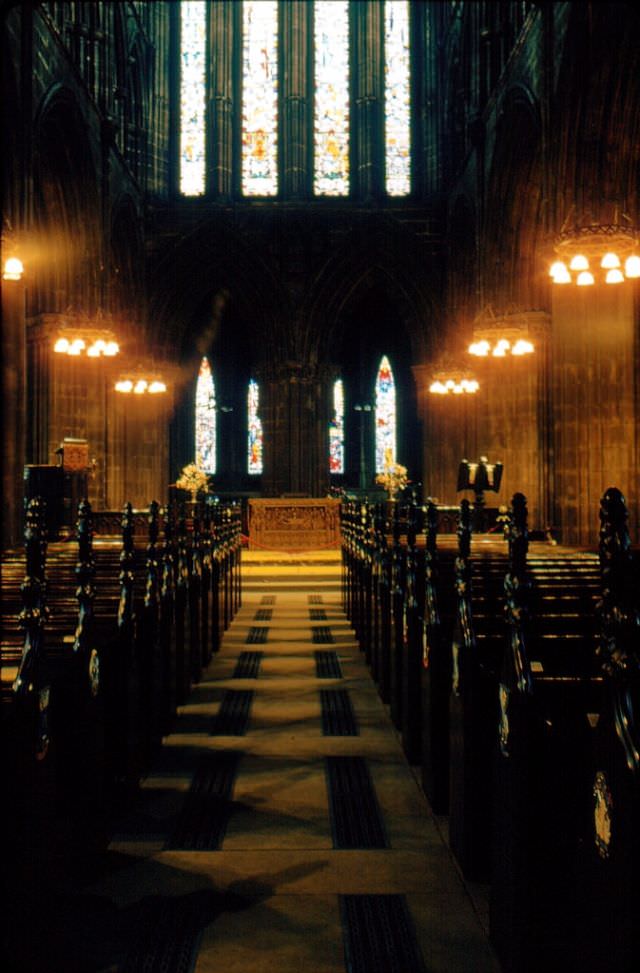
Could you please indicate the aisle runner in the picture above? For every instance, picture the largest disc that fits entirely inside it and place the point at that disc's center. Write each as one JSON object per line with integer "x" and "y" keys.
{"x": 379, "y": 935}
{"x": 356, "y": 821}
{"x": 202, "y": 823}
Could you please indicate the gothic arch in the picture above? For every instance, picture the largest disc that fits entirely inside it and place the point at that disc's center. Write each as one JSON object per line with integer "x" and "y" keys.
{"x": 512, "y": 272}
{"x": 67, "y": 206}
{"x": 215, "y": 259}
{"x": 381, "y": 252}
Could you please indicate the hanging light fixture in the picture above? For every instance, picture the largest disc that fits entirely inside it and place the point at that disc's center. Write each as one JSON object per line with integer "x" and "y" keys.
{"x": 502, "y": 335}
{"x": 598, "y": 253}
{"x": 449, "y": 377}
{"x": 141, "y": 381}
{"x": 80, "y": 335}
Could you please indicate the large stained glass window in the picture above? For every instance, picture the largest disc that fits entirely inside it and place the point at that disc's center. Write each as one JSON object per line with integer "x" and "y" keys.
{"x": 259, "y": 97}
{"x": 385, "y": 406}
{"x": 331, "y": 114}
{"x": 255, "y": 442}
{"x": 336, "y": 430}
{"x": 193, "y": 55}
{"x": 397, "y": 98}
{"x": 206, "y": 418}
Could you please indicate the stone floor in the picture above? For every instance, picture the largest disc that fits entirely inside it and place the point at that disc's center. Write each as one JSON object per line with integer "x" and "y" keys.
{"x": 270, "y": 892}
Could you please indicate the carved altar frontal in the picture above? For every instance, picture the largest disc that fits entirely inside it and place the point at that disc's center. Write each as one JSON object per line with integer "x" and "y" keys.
{"x": 294, "y": 525}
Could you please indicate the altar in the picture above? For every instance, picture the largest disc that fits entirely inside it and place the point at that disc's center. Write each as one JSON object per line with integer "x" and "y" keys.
{"x": 292, "y": 524}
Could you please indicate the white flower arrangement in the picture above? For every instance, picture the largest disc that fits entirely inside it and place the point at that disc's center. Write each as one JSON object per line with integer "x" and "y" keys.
{"x": 194, "y": 479}
{"x": 394, "y": 477}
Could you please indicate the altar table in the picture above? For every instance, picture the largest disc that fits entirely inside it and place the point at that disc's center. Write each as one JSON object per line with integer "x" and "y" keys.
{"x": 285, "y": 524}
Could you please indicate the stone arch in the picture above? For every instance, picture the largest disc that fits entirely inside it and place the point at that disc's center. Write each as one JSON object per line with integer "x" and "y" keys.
{"x": 382, "y": 251}
{"x": 66, "y": 202}
{"x": 512, "y": 270}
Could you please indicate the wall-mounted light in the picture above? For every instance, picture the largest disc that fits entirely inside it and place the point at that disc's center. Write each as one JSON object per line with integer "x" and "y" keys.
{"x": 13, "y": 269}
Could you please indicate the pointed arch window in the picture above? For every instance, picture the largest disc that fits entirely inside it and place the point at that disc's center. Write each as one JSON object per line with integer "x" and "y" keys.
{"x": 336, "y": 429}
{"x": 397, "y": 98}
{"x": 385, "y": 414}
{"x": 206, "y": 418}
{"x": 193, "y": 60}
{"x": 255, "y": 437}
{"x": 259, "y": 97}
{"x": 331, "y": 102}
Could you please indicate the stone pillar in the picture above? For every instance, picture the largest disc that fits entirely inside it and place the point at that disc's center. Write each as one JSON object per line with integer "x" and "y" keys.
{"x": 295, "y": 416}
{"x": 367, "y": 151}
{"x": 595, "y": 407}
{"x": 14, "y": 371}
{"x": 295, "y": 149}
{"x": 223, "y": 26}
{"x": 507, "y": 420}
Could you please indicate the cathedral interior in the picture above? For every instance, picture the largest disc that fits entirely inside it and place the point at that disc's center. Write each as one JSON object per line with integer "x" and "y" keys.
{"x": 293, "y": 242}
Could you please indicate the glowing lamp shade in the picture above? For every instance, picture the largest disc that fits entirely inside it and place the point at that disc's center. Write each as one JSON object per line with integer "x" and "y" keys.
{"x": 610, "y": 261}
{"x": 124, "y": 385}
{"x": 632, "y": 266}
{"x": 140, "y": 387}
{"x": 62, "y": 346}
{"x": 579, "y": 262}
{"x": 522, "y": 347}
{"x": 156, "y": 387}
{"x": 558, "y": 267}
{"x": 13, "y": 269}
{"x": 614, "y": 276}
{"x": 585, "y": 279}
{"x": 480, "y": 348}
{"x": 561, "y": 274}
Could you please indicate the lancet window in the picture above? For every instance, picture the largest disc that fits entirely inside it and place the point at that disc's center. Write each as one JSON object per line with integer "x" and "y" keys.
{"x": 259, "y": 97}
{"x": 385, "y": 414}
{"x": 397, "y": 101}
{"x": 336, "y": 429}
{"x": 255, "y": 437}
{"x": 193, "y": 60}
{"x": 206, "y": 418}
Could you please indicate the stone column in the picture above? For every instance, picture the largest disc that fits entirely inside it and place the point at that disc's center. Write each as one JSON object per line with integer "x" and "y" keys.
{"x": 295, "y": 148}
{"x": 367, "y": 150}
{"x": 14, "y": 371}
{"x": 223, "y": 27}
{"x": 595, "y": 404}
{"x": 295, "y": 416}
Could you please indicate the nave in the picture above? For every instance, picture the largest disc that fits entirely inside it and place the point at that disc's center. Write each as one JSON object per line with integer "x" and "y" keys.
{"x": 280, "y": 827}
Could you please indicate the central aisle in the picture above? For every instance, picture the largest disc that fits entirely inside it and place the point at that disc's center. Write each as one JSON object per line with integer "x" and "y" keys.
{"x": 283, "y": 829}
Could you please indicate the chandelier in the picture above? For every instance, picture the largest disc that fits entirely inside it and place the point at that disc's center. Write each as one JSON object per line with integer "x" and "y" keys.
{"x": 512, "y": 332}
{"x": 448, "y": 377}
{"x": 140, "y": 381}
{"x": 80, "y": 335}
{"x": 598, "y": 253}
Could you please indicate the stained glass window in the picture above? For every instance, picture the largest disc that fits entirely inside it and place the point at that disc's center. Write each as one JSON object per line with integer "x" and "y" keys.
{"x": 336, "y": 430}
{"x": 193, "y": 52}
{"x": 385, "y": 406}
{"x": 255, "y": 442}
{"x": 259, "y": 97}
{"x": 331, "y": 113}
{"x": 397, "y": 98}
{"x": 206, "y": 418}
